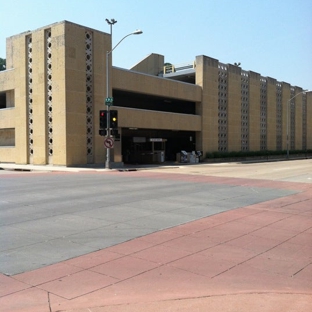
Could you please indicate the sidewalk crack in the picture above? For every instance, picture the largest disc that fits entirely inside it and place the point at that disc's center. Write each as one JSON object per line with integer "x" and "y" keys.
{"x": 50, "y": 309}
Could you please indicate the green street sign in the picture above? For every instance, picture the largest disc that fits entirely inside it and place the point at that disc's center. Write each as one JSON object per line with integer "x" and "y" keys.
{"x": 109, "y": 101}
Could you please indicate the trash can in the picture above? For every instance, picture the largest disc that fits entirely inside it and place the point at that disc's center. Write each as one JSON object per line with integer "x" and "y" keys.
{"x": 159, "y": 157}
{"x": 192, "y": 157}
{"x": 162, "y": 156}
{"x": 199, "y": 154}
{"x": 183, "y": 157}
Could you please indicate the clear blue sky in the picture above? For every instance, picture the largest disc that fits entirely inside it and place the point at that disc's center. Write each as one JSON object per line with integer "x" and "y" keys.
{"x": 271, "y": 37}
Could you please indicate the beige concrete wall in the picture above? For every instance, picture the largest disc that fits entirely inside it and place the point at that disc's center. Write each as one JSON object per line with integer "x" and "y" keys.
{"x": 254, "y": 111}
{"x": 69, "y": 91}
{"x": 59, "y": 102}
{"x": 7, "y": 115}
{"x": 153, "y": 64}
{"x": 69, "y": 94}
{"x": 7, "y": 154}
{"x": 7, "y": 118}
{"x": 147, "y": 84}
{"x": 75, "y": 95}
{"x": 39, "y": 98}
{"x": 9, "y": 53}
{"x": 285, "y": 108}
{"x": 207, "y": 79}
{"x": 7, "y": 80}
{"x": 146, "y": 119}
{"x": 298, "y": 119}
{"x": 76, "y": 131}
{"x": 234, "y": 108}
{"x": 19, "y": 63}
{"x": 10, "y": 99}
{"x": 7, "y": 137}
{"x": 309, "y": 120}
{"x": 271, "y": 114}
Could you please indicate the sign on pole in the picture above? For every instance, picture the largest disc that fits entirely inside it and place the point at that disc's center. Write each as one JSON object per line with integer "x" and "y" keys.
{"x": 109, "y": 101}
{"x": 109, "y": 143}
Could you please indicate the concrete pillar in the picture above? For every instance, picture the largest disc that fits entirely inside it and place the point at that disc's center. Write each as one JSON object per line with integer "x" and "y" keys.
{"x": 234, "y": 108}
{"x": 39, "y": 98}
{"x": 102, "y": 42}
{"x": 271, "y": 114}
{"x": 298, "y": 119}
{"x": 254, "y": 109}
{"x": 17, "y": 60}
{"x": 207, "y": 78}
{"x": 285, "y": 98}
{"x": 309, "y": 120}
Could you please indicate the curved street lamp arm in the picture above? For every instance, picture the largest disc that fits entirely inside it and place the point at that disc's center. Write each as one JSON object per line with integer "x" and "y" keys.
{"x": 118, "y": 44}
{"x": 304, "y": 91}
{"x": 137, "y": 32}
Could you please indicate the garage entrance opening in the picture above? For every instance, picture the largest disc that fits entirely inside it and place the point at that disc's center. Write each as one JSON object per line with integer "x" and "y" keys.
{"x": 146, "y": 146}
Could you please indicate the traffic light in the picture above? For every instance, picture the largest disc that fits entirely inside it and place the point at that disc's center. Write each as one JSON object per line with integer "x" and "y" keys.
{"x": 113, "y": 119}
{"x": 114, "y": 132}
{"x": 102, "y": 132}
{"x": 103, "y": 119}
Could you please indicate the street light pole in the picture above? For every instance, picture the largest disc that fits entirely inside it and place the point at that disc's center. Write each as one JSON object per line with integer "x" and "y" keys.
{"x": 288, "y": 117}
{"x": 109, "y": 99}
{"x": 107, "y": 162}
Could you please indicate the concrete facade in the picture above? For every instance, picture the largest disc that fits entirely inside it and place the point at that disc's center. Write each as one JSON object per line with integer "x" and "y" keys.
{"x": 54, "y": 87}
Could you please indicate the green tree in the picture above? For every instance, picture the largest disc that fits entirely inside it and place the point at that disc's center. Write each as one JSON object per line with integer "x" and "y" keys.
{"x": 2, "y": 64}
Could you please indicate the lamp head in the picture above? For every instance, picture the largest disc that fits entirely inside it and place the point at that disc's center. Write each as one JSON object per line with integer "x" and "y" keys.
{"x": 111, "y": 22}
{"x": 137, "y": 32}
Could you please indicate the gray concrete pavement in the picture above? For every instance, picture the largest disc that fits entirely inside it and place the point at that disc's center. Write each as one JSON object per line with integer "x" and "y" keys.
{"x": 49, "y": 217}
{"x": 291, "y": 170}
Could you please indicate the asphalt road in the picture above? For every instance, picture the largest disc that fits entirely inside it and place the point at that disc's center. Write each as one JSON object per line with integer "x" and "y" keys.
{"x": 47, "y": 217}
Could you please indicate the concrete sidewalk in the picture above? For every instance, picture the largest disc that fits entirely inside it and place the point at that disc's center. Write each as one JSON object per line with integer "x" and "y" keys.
{"x": 47, "y": 168}
{"x": 91, "y": 167}
{"x": 254, "y": 258}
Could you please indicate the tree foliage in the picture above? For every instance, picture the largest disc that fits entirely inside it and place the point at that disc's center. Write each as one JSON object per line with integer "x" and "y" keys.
{"x": 2, "y": 64}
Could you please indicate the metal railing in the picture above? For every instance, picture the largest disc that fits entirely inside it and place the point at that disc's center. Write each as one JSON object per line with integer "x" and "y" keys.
{"x": 170, "y": 68}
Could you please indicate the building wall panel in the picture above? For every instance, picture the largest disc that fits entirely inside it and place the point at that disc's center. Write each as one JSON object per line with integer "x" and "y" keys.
{"x": 19, "y": 64}
{"x": 136, "y": 118}
{"x": 141, "y": 83}
{"x": 286, "y": 113}
{"x": 298, "y": 119}
{"x": 271, "y": 114}
{"x": 39, "y": 110}
{"x": 309, "y": 120}
{"x": 234, "y": 108}
{"x": 254, "y": 98}
{"x": 207, "y": 79}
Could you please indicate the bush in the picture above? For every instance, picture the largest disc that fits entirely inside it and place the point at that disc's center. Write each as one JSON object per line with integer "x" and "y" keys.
{"x": 241, "y": 154}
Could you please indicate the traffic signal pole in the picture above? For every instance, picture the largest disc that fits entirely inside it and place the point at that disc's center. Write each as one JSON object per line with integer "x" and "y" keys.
{"x": 109, "y": 100}
{"x": 107, "y": 162}
{"x": 111, "y": 22}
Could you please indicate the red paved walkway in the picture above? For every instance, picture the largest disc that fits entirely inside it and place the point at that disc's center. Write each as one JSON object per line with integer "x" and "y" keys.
{"x": 255, "y": 258}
